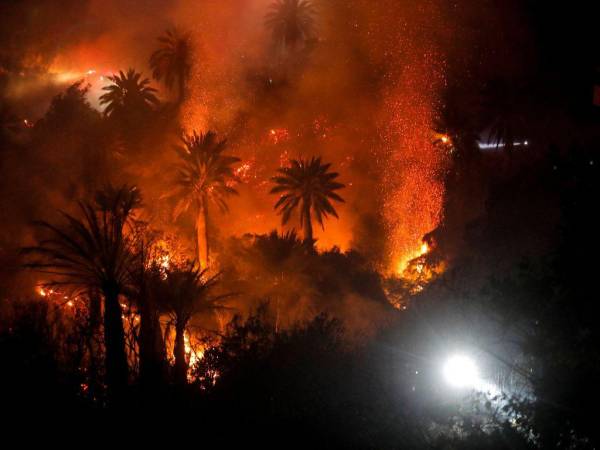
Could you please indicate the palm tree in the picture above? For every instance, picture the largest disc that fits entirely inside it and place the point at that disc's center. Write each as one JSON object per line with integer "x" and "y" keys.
{"x": 183, "y": 293}
{"x": 128, "y": 94}
{"x": 205, "y": 175}
{"x": 120, "y": 201}
{"x": 145, "y": 274}
{"x": 309, "y": 186}
{"x": 172, "y": 61}
{"x": 275, "y": 248}
{"x": 291, "y": 21}
{"x": 93, "y": 254}
{"x": 279, "y": 260}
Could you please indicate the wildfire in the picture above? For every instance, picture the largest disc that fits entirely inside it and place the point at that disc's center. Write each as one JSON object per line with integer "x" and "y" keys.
{"x": 403, "y": 114}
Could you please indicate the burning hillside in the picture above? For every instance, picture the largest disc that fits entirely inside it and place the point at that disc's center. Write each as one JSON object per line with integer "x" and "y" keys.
{"x": 240, "y": 74}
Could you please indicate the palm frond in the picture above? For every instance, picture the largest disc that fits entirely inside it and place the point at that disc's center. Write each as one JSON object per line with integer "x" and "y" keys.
{"x": 306, "y": 184}
{"x": 128, "y": 92}
{"x": 204, "y": 172}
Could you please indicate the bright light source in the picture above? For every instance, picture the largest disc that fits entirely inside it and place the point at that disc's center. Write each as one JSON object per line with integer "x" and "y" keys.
{"x": 461, "y": 372}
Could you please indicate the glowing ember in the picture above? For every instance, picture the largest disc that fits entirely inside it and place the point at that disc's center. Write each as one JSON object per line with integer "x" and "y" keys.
{"x": 278, "y": 135}
{"x": 414, "y": 189}
{"x": 243, "y": 171}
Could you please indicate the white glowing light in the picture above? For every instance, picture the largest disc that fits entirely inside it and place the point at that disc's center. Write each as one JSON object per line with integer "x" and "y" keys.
{"x": 496, "y": 145}
{"x": 461, "y": 372}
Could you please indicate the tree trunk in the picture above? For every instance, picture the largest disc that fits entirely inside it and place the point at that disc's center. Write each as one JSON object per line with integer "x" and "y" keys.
{"x": 202, "y": 234}
{"x": 151, "y": 354}
{"x": 95, "y": 311}
{"x": 181, "y": 365}
{"x": 114, "y": 341}
{"x": 95, "y": 321}
{"x": 181, "y": 85}
{"x": 308, "y": 229}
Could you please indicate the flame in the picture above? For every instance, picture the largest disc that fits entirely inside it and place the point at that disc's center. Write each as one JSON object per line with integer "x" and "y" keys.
{"x": 45, "y": 292}
{"x": 403, "y": 263}
{"x": 194, "y": 353}
{"x": 58, "y": 297}
{"x": 166, "y": 253}
{"x": 164, "y": 262}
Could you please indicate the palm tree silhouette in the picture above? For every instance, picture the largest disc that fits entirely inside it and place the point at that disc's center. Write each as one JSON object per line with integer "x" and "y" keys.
{"x": 307, "y": 185}
{"x": 291, "y": 21}
{"x": 93, "y": 254}
{"x": 184, "y": 292}
{"x": 204, "y": 175}
{"x": 171, "y": 63}
{"x": 279, "y": 260}
{"x": 128, "y": 94}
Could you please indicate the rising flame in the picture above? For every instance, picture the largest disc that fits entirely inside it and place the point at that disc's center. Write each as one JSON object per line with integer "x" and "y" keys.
{"x": 403, "y": 263}
{"x": 413, "y": 164}
{"x": 194, "y": 353}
